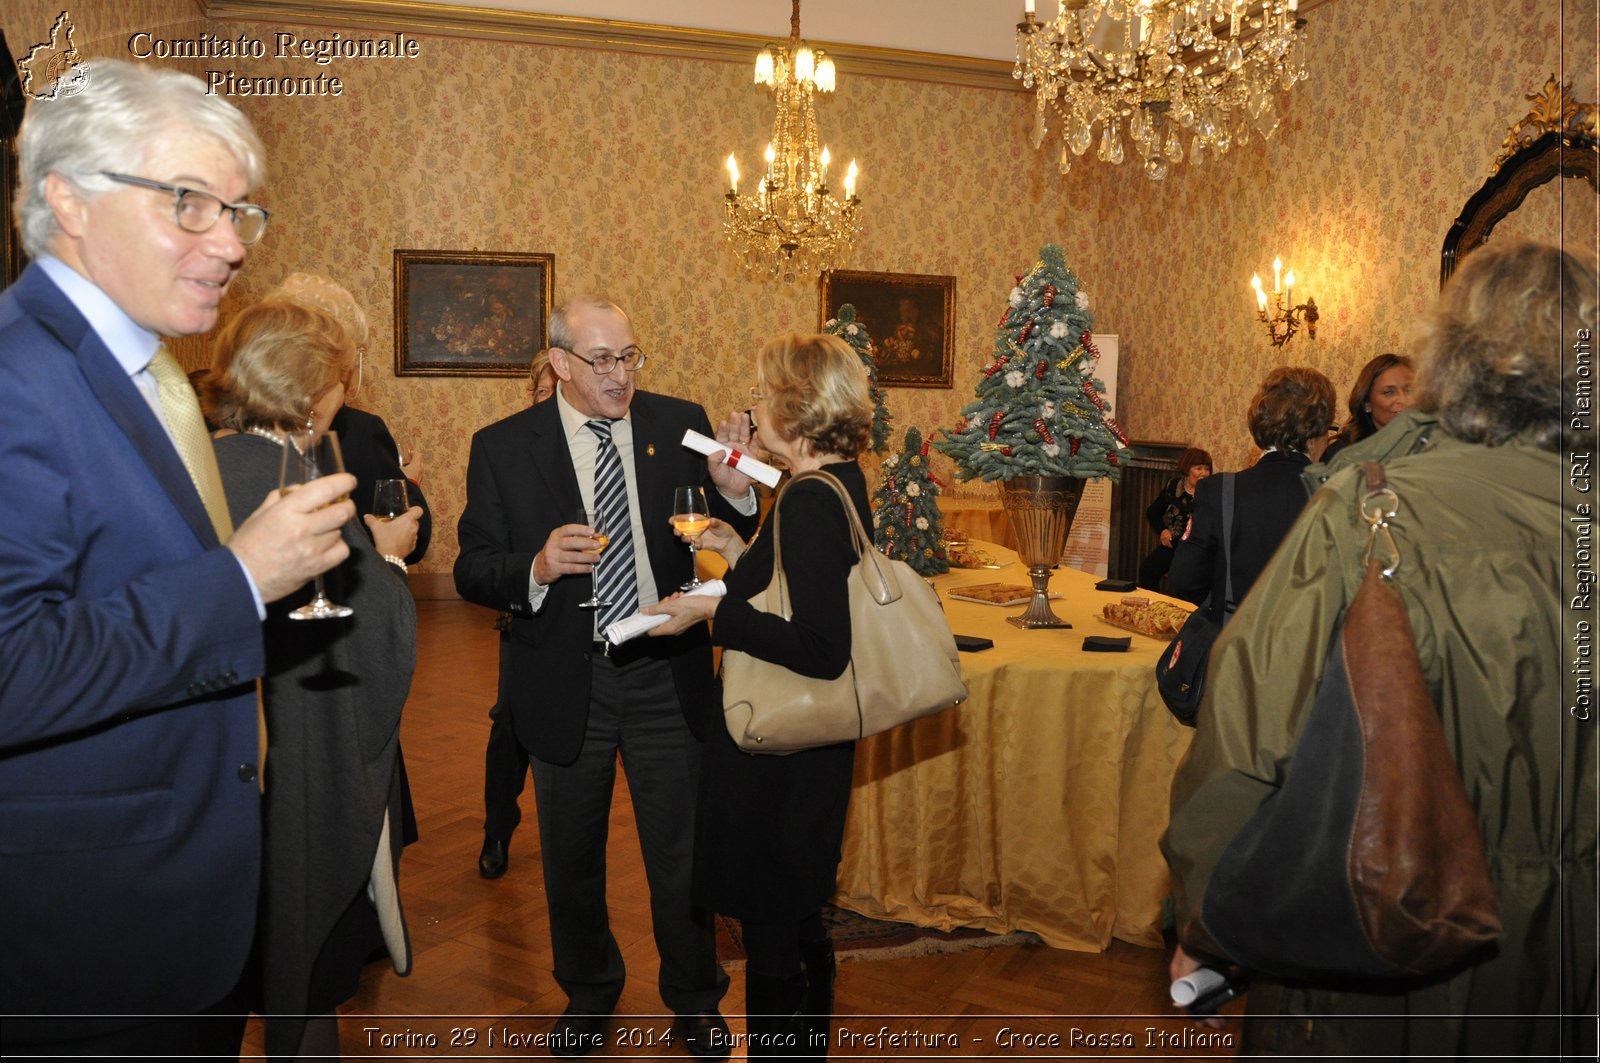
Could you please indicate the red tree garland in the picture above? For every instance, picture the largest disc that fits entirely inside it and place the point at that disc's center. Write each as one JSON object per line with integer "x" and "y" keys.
{"x": 1116, "y": 430}
{"x": 994, "y": 424}
{"x": 1094, "y": 395}
{"x": 1049, "y": 294}
{"x": 1023, "y": 338}
{"x": 909, "y": 508}
{"x": 995, "y": 367}
{"x": 1074, "y": 443}
{"x": 1043, "y": 430}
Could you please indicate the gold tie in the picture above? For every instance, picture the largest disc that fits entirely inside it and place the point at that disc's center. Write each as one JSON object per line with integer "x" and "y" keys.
{"x": 181, "y": 410}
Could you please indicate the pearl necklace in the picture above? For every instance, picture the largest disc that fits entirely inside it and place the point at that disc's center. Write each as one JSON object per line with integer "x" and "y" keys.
{"x": 264, "y": 434}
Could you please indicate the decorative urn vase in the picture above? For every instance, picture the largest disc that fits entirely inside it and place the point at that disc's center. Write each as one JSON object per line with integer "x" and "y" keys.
{"x": 1040, "y": 509}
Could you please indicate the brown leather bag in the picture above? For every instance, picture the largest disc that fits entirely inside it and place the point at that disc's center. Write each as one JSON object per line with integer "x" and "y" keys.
{"x": 1368, "y": 862}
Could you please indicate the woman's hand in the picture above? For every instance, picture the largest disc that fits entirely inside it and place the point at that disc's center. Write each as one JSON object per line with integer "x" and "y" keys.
{"x": 1166, "y": 537}
{"x": 1181, "y": 966}
{"x": 686, "y": 610}
{"x": 719, "y": 536}
{"x": 397, "y": 537}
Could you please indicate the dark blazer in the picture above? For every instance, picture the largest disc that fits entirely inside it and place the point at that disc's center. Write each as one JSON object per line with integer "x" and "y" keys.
{"x": 370, "y": 455}
{"x": 520, "y": 486}
{"x": 1267, "y": 497}
{"x": 129, "y": 809}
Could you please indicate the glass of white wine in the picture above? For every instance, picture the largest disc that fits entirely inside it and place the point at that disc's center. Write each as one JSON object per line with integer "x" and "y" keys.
{"x": 690, "y": 516}
{"x": 306, "y": 457}
{"x": 591, "y": 518}
{"x": 389, "y": 499}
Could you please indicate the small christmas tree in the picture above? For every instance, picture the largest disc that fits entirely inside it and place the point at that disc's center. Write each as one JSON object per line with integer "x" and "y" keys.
{"x": 906, "y": 521}
{"x": 854, "y": 332}
{"x": 1038, "y": 410}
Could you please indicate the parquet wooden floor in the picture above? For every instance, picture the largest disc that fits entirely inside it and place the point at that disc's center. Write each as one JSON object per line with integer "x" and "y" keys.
{"x": 481, "y": 985}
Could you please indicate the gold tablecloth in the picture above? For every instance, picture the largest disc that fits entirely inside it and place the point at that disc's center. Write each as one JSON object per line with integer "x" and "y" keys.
{"x": 976, "y": 518}
{"x": 1035, "y": 805}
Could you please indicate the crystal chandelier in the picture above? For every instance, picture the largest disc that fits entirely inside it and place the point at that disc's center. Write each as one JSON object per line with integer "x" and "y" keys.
{"x": 793, "y": 223}
{"x": 1181, "y": 74}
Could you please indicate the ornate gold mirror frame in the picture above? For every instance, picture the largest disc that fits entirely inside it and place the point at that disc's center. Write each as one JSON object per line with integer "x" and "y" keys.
{"x": 1556, "y": 139}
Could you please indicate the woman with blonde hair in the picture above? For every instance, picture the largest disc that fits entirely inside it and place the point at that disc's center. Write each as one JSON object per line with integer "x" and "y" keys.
{"x": 332, "y": 694}
{"x": 1485, "y": 540}
{"x": 770, "y": 829}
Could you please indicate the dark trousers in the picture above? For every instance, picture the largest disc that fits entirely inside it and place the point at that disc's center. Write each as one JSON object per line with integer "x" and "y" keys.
{"x": 214, "y": 1034}
{"x": 634, "y": 711}
{"x": 505, "y": 772}
{"x": 1155, "y": 567}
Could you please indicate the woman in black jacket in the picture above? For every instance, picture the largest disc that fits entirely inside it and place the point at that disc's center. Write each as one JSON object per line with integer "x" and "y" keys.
{"x": 1289, "y": 419}
{"x": 1169, "y": 515}
{"x": 770, "y": 828}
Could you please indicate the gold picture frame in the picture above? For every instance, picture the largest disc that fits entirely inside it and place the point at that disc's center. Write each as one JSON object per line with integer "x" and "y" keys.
{"x": 911, "y": 318}
{"x": 470, "y": 313}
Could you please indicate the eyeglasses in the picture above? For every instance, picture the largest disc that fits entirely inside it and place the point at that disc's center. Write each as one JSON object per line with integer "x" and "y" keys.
{"x": 361, "y": 367}
{"x": 631, "y": 360}
{"x": 196, "y": 211}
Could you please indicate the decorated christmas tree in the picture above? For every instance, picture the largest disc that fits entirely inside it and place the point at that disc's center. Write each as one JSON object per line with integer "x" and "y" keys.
{"x": 906, "y": 521}
{"x": 1038, "y": 410}
{"x": 854, "y": 332}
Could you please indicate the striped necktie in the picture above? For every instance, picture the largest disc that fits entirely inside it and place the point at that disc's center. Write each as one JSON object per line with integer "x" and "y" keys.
{"x": 180, "y": 409}
{"x": 614, "y": 574}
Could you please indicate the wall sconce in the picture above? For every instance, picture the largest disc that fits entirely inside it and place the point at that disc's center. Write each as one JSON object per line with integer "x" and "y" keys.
{"x": 1282, "y": 317}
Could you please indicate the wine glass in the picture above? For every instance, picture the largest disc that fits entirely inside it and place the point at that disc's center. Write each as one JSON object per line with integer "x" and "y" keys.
{"x": 306, "y": 457}
{"x": 592, "y": 519}
{"x": 389, "y": 499}
{"x": 690, "y": 517}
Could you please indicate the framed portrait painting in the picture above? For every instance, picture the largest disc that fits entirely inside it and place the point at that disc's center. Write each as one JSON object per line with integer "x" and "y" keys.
{"x": 911, "y": 318}
{"x": 470, "y": 313}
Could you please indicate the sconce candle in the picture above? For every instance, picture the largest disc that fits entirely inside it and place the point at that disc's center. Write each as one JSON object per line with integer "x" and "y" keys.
{"x": 1281, "y": 316}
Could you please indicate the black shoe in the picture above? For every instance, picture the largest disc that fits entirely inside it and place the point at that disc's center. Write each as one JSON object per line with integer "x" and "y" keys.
{"x": 575, "y": 1033}
{"x": 705, "y": 1035}
{"x": 494, "y": 858}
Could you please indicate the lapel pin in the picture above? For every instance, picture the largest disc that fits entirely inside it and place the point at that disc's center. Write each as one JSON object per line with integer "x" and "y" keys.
{"x": 650, "y": 449}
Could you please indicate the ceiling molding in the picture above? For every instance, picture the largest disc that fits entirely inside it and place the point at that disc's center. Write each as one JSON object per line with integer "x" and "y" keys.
{"x": 481, "y": 23}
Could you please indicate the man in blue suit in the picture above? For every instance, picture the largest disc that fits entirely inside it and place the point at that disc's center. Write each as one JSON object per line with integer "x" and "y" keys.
{"x": 129, "y": 633}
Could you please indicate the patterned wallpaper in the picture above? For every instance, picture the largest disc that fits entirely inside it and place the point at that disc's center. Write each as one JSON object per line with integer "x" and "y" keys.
{"x": 612, "y": 162}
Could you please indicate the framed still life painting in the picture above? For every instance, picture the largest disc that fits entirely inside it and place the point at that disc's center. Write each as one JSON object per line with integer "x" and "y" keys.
{"x": 470, "y": 313}
{"x": 911, "y": 318}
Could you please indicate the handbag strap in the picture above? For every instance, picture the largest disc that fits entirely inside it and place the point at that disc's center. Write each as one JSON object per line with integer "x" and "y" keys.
{"x": 1228, "y": 603}
{"x": 878, "y": 576}
{"x": 1377, "y": 506}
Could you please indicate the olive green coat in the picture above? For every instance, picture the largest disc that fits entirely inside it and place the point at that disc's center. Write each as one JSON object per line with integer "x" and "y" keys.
{"x": 1485, "y": 542}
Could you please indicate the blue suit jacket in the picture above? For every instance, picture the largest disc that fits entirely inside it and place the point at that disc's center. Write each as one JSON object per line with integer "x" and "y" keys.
{"x": 129, "y": 810}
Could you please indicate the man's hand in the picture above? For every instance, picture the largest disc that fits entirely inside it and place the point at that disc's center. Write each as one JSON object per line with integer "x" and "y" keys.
{"x": 734, "y": 431}
{"x": 571, "y": 550}
{"x": 291, "y": 538}
{"x": 1166, "y": 537}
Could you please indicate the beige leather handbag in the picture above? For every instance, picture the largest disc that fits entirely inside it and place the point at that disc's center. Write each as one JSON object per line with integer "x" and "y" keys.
{"x": 903, "y": 659}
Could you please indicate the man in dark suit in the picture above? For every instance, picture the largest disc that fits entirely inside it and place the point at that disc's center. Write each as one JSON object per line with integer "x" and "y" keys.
{"x": 129, "y": 634}
{"x": 575, "y": 702}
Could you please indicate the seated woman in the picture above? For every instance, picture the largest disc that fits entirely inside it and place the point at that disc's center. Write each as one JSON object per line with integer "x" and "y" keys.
{"x": 770, "y": 829}
{"x": 1169, "y": 513}
{"x": 1382, "y": 390}
{"x": 1484, "y": 538}
{"x": 1289, "y": 418}
{"x": 332, "y": 694}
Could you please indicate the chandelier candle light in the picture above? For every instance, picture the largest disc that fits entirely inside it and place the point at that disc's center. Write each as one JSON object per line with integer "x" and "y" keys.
{"x": 1180, "y": 73}
{"x": 793, "y": 223}
{"x": 1280, "y": 315}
